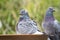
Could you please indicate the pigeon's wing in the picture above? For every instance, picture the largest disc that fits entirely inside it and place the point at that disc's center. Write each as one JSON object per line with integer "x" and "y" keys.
{"x": 57, "y": 25}
{"x": 25, "y": 27}
{"x": 50, "y": 30}
{"x": 35, "y": 24}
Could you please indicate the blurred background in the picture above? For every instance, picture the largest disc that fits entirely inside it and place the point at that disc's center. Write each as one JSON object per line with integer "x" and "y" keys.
{"x": 9, "y": 12}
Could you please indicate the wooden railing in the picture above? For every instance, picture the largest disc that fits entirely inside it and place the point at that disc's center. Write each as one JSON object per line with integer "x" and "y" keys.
{"x": 23, "y": 37}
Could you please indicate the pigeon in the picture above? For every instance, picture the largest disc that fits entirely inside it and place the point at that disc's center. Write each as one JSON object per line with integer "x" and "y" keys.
{"x": 50, "y": 25}
{"x": 25, "y": 25}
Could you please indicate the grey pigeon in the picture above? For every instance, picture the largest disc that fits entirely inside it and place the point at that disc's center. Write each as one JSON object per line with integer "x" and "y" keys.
{"x": 50, "y": 25}
{"x": 25, "y": 24}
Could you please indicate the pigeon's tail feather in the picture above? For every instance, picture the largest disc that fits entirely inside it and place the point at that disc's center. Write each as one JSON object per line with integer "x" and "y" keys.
{"x": 55, "y": 37}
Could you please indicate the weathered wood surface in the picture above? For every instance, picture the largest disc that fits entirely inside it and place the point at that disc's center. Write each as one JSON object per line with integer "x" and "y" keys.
{"x": 23, "y": 37}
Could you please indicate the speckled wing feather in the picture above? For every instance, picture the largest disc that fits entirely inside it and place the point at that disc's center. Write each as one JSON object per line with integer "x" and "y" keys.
{"x": 26, "y": 27}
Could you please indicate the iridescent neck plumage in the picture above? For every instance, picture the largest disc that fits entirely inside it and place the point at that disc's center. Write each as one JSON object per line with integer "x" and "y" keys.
{"x": 24, "y": 18}
{"x": 49, "y": 16}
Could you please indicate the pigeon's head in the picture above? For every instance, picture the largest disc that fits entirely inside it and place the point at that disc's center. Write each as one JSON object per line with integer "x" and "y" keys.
{"x": 24, "y": 13}
{"x": 49, "y": 14}
{"x": 50, "y": 11}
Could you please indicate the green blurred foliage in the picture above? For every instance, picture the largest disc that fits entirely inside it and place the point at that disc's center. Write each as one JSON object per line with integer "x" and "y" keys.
{"x": 9, "y": 12}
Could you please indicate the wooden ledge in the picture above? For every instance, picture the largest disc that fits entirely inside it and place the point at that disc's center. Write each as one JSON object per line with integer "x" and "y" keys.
{"x": 23, "y": 37}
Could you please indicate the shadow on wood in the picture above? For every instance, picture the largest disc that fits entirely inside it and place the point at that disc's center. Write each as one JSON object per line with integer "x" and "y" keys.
{"x": 23, "y": 37}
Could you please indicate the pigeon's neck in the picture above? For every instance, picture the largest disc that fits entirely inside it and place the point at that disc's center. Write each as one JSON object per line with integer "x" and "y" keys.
{"x": 49, "y": 17}
{"x": 24, "y": 18}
